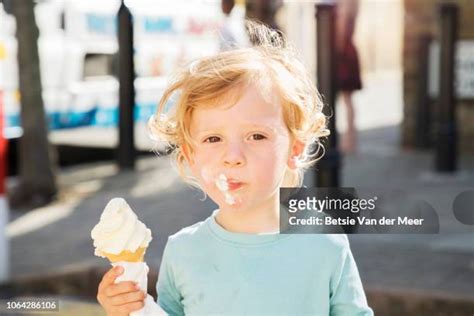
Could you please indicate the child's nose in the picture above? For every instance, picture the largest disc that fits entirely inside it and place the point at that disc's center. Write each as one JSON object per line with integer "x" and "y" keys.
{"x": 233, "y": 157}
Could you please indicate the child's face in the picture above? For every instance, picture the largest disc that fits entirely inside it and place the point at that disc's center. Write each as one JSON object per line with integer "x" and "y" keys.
{"x": 249, "y": 143}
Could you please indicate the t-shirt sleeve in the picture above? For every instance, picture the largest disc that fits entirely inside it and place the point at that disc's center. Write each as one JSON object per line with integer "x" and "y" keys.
{"x": 169, "y": 297}
{"x": 347, "y": 294}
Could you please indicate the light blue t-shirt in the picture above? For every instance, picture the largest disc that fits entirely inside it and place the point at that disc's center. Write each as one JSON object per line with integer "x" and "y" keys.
{"x": 207, "y": 270}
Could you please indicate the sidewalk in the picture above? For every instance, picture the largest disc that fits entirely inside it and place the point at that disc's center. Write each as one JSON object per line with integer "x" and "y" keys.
{"x": 422, "y": 265}
{"x": 402, "y": 274}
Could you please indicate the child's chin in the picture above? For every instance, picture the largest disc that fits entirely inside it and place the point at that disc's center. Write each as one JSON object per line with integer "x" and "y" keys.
{"x": 236, "y": 203}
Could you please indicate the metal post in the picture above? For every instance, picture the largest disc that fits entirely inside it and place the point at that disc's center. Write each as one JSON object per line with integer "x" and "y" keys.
{"x": 445, "y": 159}
{"x": 126, "y": 148}
{"x": 423, "y": 135}
{"x": 327, "y": 173}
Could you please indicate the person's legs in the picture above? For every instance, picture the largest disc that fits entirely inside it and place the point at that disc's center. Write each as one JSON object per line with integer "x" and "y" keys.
{"x": 349, "y": 139}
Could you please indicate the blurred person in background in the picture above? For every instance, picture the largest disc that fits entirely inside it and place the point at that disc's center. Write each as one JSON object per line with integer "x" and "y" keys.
{"x": 347, "y": 67}
{"x": 263, "y": 11}
{"x": 232, "y": 32}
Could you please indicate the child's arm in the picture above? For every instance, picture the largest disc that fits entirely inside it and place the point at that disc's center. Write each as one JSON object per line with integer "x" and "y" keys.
{"x": 169, "y": 297}
{"x": 347, "y": 294}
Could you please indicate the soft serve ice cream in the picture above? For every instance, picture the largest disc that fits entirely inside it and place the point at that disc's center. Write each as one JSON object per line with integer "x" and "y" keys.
{"x": 119, "y": 235}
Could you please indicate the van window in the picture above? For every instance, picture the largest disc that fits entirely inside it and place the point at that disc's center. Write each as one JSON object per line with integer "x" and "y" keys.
{"x": 99, "y": 65}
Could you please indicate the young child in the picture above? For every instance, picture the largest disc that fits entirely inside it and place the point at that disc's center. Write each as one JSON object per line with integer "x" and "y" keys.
{"x": 243, "y": 124}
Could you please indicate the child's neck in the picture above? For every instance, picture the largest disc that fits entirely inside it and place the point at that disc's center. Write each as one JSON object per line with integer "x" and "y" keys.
{"x": 265, "y": 219}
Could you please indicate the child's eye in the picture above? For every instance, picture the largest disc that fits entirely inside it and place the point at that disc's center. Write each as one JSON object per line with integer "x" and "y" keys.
{"x": 258, "y": 137}
{"x": 212, "y": 139}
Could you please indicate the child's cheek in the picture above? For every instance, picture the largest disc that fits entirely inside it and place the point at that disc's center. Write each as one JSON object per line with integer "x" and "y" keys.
{"x": 277, "y": 149}
{"x": 206, "y": 175}
{"x": 209, "y": 186}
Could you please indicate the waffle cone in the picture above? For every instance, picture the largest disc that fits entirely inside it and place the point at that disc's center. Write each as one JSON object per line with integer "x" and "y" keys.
{"x": 127, "y": 255}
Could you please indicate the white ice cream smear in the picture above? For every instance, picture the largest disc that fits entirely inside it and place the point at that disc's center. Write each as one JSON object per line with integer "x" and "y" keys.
{"x": 223, "y": 186}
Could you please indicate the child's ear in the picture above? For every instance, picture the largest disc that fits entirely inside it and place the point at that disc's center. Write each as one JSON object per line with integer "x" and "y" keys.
{"x": 185, "y": 148}
{"x": 296, "y": 150}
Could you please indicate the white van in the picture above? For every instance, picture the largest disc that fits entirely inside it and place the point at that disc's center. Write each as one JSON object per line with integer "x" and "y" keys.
{"x": 78, "y": 52}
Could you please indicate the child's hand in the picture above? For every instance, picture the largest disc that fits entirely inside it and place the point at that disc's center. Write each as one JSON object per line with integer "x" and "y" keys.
{"x": 121, "y": 298}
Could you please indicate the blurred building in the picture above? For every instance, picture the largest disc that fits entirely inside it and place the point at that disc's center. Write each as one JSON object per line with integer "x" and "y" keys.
{"x": 421, "y": 19}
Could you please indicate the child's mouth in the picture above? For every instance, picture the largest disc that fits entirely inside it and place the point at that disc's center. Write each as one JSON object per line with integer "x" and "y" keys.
{"x": 233, "y": 186}
{"x": 226, "y": 186}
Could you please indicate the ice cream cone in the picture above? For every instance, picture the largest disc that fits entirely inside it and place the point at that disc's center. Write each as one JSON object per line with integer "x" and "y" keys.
{"x": 127, "y": 255}
{"x": 120, "y": 235}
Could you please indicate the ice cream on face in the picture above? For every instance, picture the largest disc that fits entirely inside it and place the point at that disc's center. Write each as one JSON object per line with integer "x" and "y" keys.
{"x": 223, "y": 186}
{"x": 221, "y": 183}
{"x": 119, "y": 230}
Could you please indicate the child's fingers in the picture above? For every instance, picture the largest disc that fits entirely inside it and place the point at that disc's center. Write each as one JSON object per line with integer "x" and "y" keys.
{"x": 110, "y": 276}
{"x": 127, "y": 298}
{"x": 128, "y": 308}
{"x": 120, "y": 288}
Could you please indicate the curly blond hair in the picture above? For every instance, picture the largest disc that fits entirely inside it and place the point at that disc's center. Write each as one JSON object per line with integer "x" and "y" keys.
{"x": 273, "y": 66}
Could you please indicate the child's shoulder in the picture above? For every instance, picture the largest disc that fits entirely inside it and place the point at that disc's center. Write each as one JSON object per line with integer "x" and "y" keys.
{"x": 328, "y": 243}
{"x": 334, "y": 240}
{"x": 312, "y": 247}
{"x": 189, "y": 235}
